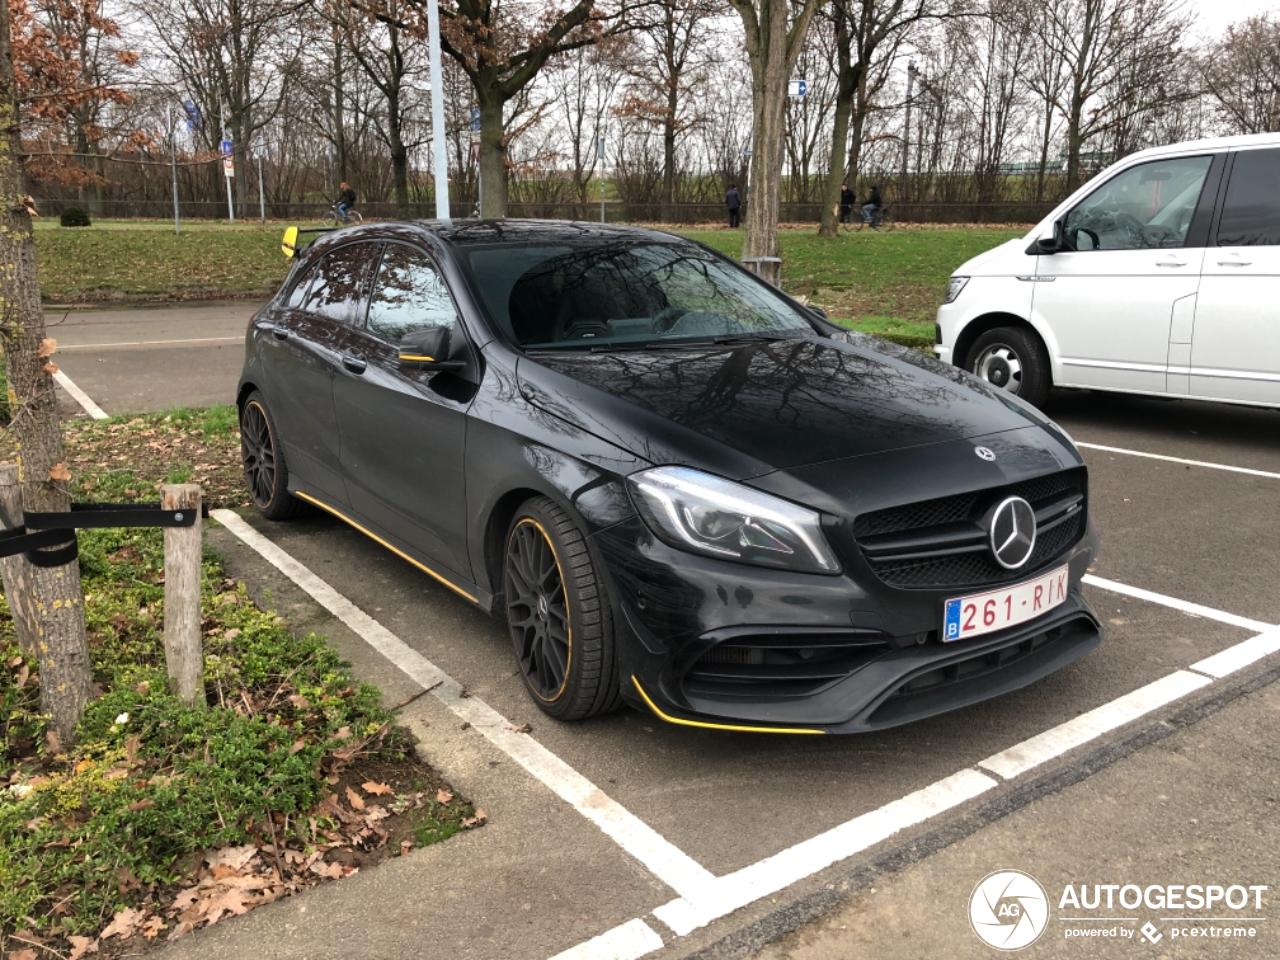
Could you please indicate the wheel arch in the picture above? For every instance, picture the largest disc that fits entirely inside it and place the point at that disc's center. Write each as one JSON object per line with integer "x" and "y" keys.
{"x": 990, "y": 321}
{"x": 242, "y": 395}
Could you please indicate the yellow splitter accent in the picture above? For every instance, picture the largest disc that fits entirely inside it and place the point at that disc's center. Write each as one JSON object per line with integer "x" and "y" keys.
{"x": 718, "y": 726}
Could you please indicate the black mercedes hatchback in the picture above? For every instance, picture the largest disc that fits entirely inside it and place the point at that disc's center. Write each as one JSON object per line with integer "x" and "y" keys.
{"x": 681, "y": 489}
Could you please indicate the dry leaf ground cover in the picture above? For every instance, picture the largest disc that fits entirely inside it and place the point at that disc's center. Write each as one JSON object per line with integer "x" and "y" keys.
{"x": 164, "y": 818}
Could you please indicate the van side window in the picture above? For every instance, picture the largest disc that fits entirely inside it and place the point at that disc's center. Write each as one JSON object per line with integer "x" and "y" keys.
{"x": 1147, "y": 206}
{"x": 1251, "y": 212}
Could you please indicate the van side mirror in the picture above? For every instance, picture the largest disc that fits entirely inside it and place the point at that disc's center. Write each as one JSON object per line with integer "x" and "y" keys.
{"x": 1047, "y": 246}
{"x": 428, "y": 349}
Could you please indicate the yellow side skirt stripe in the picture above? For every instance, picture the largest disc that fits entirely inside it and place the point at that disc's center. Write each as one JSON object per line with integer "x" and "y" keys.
{"x": 717, "y": 726}
{"x": 400, "y": 553}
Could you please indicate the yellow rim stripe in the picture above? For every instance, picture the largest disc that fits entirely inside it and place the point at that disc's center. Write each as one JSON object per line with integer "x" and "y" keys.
{"x": 717, "y": 726}
{"x": 405, "y": 356}
{"x": 400, "y": 553}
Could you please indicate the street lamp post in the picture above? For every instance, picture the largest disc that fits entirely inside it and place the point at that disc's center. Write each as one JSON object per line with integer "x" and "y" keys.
{"x": 437, "y": 112}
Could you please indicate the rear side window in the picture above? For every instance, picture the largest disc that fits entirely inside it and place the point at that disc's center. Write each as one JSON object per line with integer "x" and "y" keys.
{"x": 340, "y": 285}
{"x": 410, "y": 294}
{"x": 1251, "y": 213}
{"x": 299, "y": 292}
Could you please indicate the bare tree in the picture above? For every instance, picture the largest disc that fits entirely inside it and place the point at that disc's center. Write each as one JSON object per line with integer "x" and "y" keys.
{"x": 1241, "y": 74}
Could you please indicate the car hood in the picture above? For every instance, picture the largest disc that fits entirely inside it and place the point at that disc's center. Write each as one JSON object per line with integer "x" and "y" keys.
{"x": 993, "y": 260}
{"x": 747, "y": 410}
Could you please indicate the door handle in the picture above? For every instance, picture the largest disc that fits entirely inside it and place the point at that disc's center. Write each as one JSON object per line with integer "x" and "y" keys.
{"x": 354, "y": 362}
{"x": 280, "y": 333}
{"x": 1171, "y": 263}
{"x": 1234, "y": 263}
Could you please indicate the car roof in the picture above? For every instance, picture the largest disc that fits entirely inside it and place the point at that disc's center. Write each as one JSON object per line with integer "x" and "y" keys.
{"x": 1211, "y": 143}
{"x": 479, "y": 232}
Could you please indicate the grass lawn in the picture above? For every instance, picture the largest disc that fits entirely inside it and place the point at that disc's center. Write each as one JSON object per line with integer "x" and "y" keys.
{"x": 164, "y": 818}
{"x": 883, "y": 283}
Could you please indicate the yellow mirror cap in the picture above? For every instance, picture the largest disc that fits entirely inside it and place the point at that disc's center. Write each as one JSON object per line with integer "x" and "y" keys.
{"x": 289, "y": 245}
{"x": 415, "y": 358}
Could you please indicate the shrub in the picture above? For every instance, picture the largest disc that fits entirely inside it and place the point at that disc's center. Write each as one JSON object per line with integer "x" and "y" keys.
{"x": 74, "y": 217}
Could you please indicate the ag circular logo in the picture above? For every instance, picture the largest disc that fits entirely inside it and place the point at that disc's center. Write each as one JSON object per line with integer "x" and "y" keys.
{"x": 1008, "y": 910}
{"x": 1013, "y": 532}
{"x": 985, "y": 453}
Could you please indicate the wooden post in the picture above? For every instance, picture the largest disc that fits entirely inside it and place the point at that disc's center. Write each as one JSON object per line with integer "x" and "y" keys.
{"x": 17, "y": 569}
{"x": 183, "y": 651}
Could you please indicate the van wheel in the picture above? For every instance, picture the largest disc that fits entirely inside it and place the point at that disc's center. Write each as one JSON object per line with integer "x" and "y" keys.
{"x": 1014, "y": 359}
{"x": 559, "y": 615}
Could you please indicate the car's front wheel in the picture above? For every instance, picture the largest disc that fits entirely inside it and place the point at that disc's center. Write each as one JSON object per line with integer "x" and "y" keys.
{"x": 1014, "y": 359}
{"x": 265, "y": 469}
{"x": 558, "y": 614}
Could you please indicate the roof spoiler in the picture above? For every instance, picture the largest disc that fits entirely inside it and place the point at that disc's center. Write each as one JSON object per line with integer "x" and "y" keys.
{"x": 289, "y": 245}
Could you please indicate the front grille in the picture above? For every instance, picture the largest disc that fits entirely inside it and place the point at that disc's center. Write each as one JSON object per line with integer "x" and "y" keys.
{"x": 942, "y": 543}
{"x": 781, "y": 665}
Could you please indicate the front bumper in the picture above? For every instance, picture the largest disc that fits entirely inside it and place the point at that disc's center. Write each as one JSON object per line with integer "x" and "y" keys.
{"x": 876, "y": 661}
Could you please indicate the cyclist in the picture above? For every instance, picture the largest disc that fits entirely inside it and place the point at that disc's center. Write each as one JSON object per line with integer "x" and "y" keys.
{"x": 873, "y": 204}
{"x": 346, "y": 199}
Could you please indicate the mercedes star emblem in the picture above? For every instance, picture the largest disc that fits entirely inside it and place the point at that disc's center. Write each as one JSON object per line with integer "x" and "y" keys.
{"x": 1013, "y": 532}
{"x": 985, "y": 453}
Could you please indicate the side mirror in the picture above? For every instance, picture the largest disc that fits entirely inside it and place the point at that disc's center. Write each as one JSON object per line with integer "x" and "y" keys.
{"x": 428, "y": 349}
{"x": 822, "y": 314}
{"x": 1047, "y": 246}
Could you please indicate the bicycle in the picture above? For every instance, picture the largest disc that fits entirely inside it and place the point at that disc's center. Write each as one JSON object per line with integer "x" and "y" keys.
{"x": 881, "y": 219}
{"x": 334, "y": 217}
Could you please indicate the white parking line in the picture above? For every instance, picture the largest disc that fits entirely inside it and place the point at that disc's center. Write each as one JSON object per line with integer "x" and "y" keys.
{"x": 1190, "y": 463}
{"x": 80, "y": 396}
{"x": 1185, "y": 606}
{"x": 662, "y": 858}
{"x": 703, "y": 897}
{"x": 145, "y": 343}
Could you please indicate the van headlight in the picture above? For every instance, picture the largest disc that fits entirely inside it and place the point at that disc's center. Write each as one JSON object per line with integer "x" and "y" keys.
{"x": 954, "y": 286}
{"x": 702, "y": 513}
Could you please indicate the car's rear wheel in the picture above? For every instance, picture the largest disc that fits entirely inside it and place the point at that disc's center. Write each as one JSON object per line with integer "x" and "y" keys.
{"x": 1014, "y": 359}
{"x": 558, "y": 614}
{"x": 265, "y": 469}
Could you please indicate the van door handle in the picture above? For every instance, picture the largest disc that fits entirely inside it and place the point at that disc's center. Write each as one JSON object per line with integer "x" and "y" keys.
{"x": 354, "y": 362}
{"x": 280, "y": 333}
{"x": 1234, "y": 263}
{"x": 1171, "y": 263}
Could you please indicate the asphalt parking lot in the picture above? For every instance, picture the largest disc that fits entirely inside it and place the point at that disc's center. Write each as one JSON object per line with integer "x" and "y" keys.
{"x": 738, "y": 813}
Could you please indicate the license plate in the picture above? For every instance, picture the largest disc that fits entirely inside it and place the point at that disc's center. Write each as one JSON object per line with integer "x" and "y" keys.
{"x": 988, "y": 612}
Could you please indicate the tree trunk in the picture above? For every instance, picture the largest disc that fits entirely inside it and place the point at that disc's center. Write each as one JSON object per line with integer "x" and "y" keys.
{"x": 669, "y": 155}
{"x": 1045, "y": 136}
{"x": 493, "y": 157}
{"x": 399, "y": 155}
{"x": 49, "y": 598}
{"x": 1073, "y": 140}
{"x": 846, "y": 87}
{"x": 770, "y": 72}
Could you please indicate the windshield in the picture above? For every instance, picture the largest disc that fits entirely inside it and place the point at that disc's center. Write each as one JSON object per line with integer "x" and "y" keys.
{"x": 613, "y": 295}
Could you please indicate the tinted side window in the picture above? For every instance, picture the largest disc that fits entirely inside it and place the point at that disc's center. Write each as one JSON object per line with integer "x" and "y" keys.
{"x": 1251, "y": 213}
{"x": 299, "y": 292}
{"x": 1146, "y": 206}
{"x": 339, "y": 288}
{"x": 410, "y": 294}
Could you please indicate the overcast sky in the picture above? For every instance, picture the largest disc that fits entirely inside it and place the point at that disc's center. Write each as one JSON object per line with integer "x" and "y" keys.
{"x": 1213, "y": 16}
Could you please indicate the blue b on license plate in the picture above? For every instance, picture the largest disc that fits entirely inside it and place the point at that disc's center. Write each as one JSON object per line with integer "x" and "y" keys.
{"x": 995, "y": 610}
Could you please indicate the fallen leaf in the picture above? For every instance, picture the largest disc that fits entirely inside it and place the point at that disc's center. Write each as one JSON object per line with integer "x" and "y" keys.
{"x": 235, "y": 857}
{"x": 142, "y": 805}
{"x": 523, "y": 728}
{"x": 126, "y": 880}
{"x": 181, "y": 930}
{"x": 50, "y": 368}
{"x": 60, "y": 472}
{"x": 24, "y": 954}
{"x": 329, "y": 871}
{"x": 443, "y": 796}
{"x": 47, "y": 347}
{"x": 232, "y": 901}
{"x": 184, "y": 899}
{"x": 151, "y": 929}
{"x": 354, "y": 799}
{"x": 299, "y": 701}
{"x": 123, "y": 924}
{"x": 24, "y": 674}
{"x": 80, "y": 946}
{"x": 375, "y": 789}
{"x": 405, "y": 846}
{"x": 476, "y": 821}
{"x": 298, "y": 744}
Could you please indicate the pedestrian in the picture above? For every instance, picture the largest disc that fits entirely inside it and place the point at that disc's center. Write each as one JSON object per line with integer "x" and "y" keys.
{"x": 733, "y": 200}
{"x": 847, "y": 201}
{"x": 872, "y": 205}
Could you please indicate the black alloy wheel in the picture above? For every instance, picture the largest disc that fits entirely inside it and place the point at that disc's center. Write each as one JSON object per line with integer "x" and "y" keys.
{"x": 538, "y": 611}
{"x": 558, "y": 614}
{"x": 265, "y": 470}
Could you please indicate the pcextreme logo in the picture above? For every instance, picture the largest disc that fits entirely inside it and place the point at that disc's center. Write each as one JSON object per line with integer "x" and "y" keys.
{"x": 1009, "y": 910}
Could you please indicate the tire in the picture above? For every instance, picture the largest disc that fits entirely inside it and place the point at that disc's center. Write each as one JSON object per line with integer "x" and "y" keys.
{"x": 330, "y": 219}
{"x": 1014, "y": 359}
{"x": 355, "y": 217}
{"x": 265, "y": 471}
{"x": 558, "y": 614}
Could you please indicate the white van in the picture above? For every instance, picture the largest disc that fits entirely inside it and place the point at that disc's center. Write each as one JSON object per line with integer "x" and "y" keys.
{"x": 1159, "y": 276}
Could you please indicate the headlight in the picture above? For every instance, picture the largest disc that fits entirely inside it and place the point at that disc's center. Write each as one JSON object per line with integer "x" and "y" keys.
{"x": 705, "y": 514}
{"x": 954, "y": 286}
